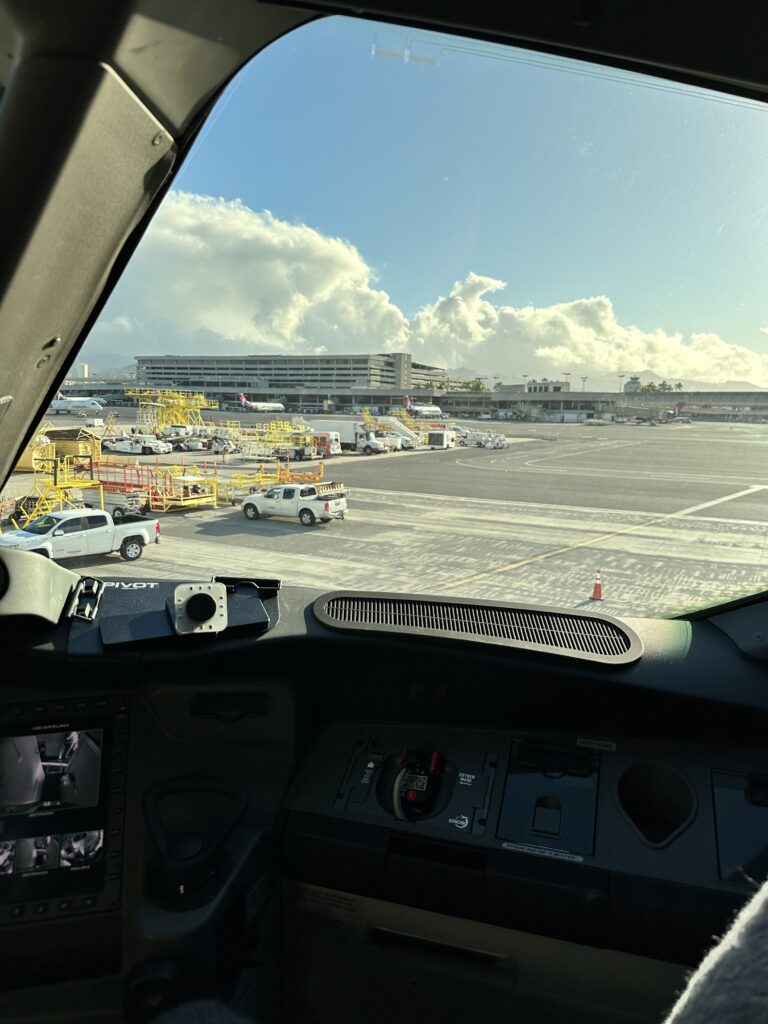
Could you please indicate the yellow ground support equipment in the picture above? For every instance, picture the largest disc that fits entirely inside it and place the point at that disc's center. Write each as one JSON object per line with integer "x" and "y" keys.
{"x": 59, "y": 483}
{"x": 40, "y": 447}
{"x": 231, "y": 429}
{"x": 165, "y": 488}
{"x": 75, "y": 441}
{"x": 304, "y": 476}
{"x": 181, "y": 493}
{"x": 276, "y": 438}
{"x": 110, "y": 425}
{"x": 159, "y": 408}
{"x": 235, "y": 486}
{"x": 405, "y": 417}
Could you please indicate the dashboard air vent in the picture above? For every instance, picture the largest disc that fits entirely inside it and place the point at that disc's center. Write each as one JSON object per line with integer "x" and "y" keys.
{"x": 565, "y": 633}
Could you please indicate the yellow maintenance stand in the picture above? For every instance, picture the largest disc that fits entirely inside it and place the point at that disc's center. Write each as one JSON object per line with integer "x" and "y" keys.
{"x": 405, "y": 417}
{"x": 370, "y": 421}
{"x": 160, "y": 408}
{"x": 55, "y": 480}
{"x": 236, "y": 486}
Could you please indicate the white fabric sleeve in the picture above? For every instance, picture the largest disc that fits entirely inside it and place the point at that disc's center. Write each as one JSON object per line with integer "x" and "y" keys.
{"x": 731, "y": 982}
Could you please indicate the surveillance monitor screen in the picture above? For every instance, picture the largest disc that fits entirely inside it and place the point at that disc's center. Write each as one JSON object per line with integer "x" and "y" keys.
{"x": 49, "y": 771}
{"x": 52, "y": 812}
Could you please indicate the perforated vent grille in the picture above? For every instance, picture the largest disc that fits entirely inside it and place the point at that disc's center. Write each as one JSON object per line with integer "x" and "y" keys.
{"x": 556, "y": 632}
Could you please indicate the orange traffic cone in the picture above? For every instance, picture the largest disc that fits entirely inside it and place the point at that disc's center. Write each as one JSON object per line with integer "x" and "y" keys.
{"x": 597, "y": 590}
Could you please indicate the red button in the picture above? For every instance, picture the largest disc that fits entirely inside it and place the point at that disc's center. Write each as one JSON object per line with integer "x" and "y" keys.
{"x": 411, "y": 794}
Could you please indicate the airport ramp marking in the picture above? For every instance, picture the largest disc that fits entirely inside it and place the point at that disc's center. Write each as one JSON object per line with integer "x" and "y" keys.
{"x": 508, "y": 463}
{"x": 652, "y": 521}
{"x": 501, "y": 503}
{"x": 609, "y": 446}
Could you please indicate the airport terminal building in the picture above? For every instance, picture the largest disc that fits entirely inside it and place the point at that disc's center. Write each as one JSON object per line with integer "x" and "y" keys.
{"x": 381, "y": 382}
{"x": 273, "y": 375}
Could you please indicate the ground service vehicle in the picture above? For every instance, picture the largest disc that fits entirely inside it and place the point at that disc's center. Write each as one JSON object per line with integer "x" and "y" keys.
{"x": 73, "y": 533}
{"x": 415, "y": 769}
{"x": 121, "y": 503}
{"x": 369, "y": 444}
{"x": 222, "y": 446}
{"x": 296, "y": 453}
{"x": 352, "y": 436}
{"x": 180, "y": 430}
{"x": 440, "y": 439}
{"x": 310, "y": 503}
{"x": 472, "y": 438}
{"x": 392, "y": 424}
{"x": 328, "y": 443}
{"x": 392, "y": 442}
{"x": 139, "y": 445}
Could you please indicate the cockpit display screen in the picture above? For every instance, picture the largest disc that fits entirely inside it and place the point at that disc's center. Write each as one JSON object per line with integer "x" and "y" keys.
{"x": 52, "y": 812}
{"x": 50, "y": 771}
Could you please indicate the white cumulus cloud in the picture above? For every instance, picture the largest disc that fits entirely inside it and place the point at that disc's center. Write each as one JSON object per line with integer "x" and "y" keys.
{"x": 213, "y": 276}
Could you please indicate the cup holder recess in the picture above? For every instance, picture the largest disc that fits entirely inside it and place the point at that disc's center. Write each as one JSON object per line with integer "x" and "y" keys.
{"x": 657, "y": 801}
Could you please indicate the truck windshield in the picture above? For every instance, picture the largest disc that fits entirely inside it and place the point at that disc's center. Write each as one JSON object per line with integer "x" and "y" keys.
{"x": 41, "y": 525}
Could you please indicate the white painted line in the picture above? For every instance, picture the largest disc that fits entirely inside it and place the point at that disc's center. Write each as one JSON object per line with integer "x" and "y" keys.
{"x": 601, "y": 538}
{"x": 717, "y": 501}
{"x": 380, "y": 492}
{"x": 612, "y": 446}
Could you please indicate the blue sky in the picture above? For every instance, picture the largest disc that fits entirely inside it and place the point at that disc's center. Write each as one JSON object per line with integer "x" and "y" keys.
{"x": 563, "y": 185}
{"x": 491, "y": 210}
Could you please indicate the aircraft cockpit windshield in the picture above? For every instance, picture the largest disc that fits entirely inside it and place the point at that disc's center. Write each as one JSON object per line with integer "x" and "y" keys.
{"x": 513, "y": 302}
{"x": 394, "y": 642}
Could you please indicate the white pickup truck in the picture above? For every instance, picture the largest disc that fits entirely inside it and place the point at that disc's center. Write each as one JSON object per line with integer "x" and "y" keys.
{"x": 312, "y": 503}
{"x": 78, "y": 532}
{"x": 392, "y": 442}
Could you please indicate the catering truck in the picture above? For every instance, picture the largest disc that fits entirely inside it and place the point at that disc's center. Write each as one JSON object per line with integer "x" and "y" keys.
{"x": 310, "y": 503}
{"x": 352, "y": 436}
{"x": 328, "y": 443}
{"x": 78, "y": 532}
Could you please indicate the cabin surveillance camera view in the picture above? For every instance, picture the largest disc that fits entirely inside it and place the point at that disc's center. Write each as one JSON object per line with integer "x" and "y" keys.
{"x": 49, "y": 771}
{"x": 488, "y": 323}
